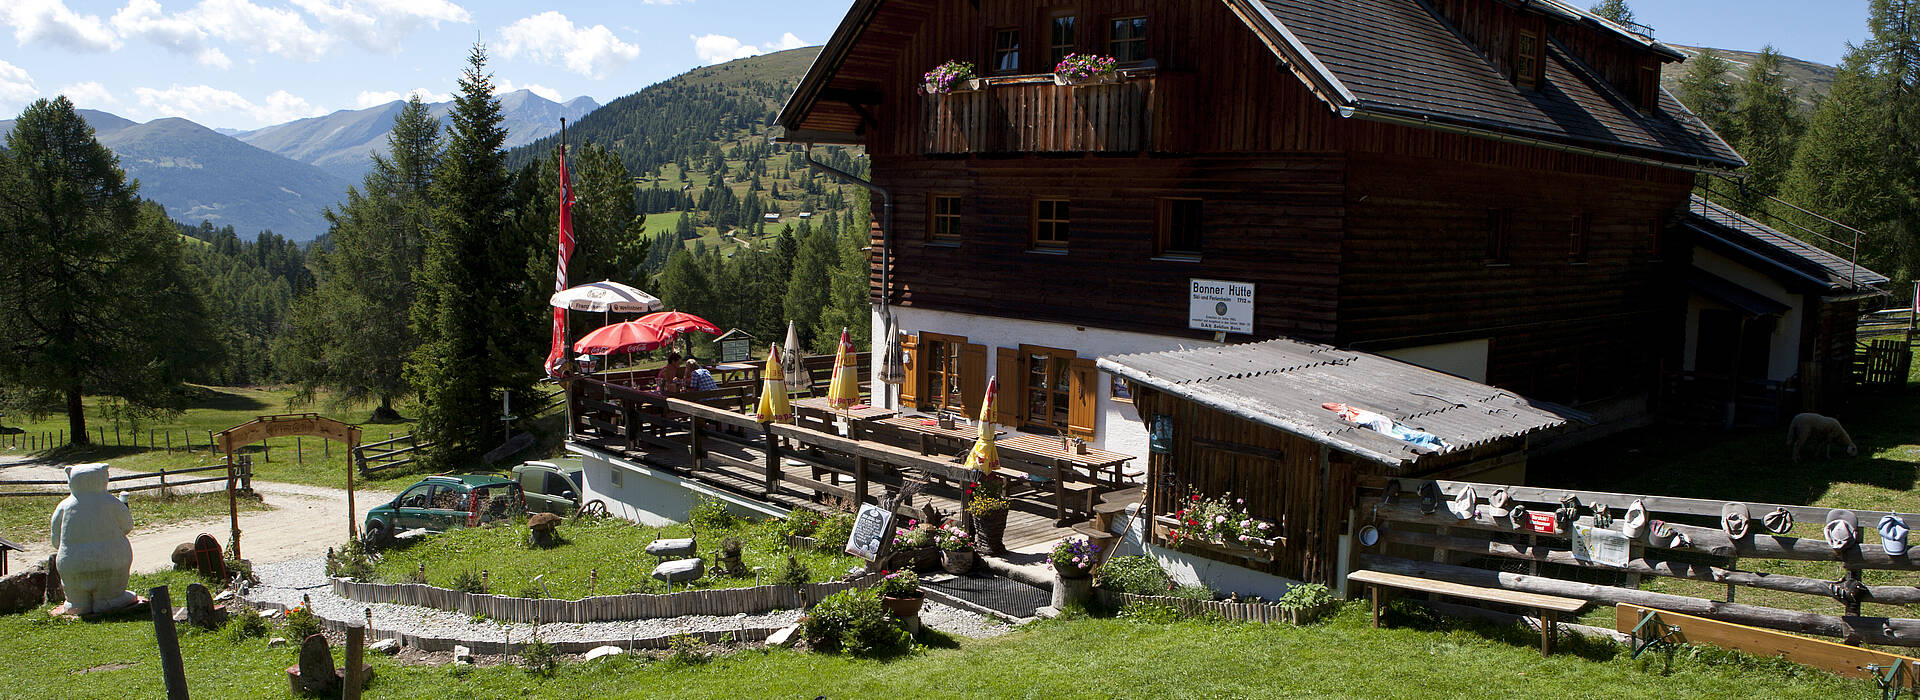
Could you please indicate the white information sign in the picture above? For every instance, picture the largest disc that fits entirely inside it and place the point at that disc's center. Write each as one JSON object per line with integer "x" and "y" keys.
{"x": 1599, "y": 545}
{"x": 868, "y": 527}
{"x": 1215, "y": 305}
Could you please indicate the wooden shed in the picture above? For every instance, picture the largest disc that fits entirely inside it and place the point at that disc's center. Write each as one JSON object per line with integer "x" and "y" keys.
{"x": 1250, "y": 419}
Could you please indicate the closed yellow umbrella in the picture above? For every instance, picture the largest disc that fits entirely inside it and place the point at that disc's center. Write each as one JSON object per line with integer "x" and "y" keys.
{"x": 985, "y": 456}
{"x": 844, "y": 392}
{"x": 773, "y": 392}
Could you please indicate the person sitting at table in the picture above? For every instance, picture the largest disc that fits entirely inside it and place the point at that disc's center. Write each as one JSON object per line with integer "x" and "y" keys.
{"x": 698, "y": 378}
{"x": 672, "y": 377}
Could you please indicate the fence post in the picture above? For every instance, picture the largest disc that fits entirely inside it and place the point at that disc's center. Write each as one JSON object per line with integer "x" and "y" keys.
{"x": 149, "y": 438}
{"x": 773, "y": 459}
{"x": 211, "y": 445}
{"x": 171, "y": 668}
{"x": 298, "y": 458}
{"x": 356, "y": 643}
{"x": 163, "y": 481}
{"x": 116, "y": 435}
{"x": 266, "y": 448}
{"x": 169, "y": 439}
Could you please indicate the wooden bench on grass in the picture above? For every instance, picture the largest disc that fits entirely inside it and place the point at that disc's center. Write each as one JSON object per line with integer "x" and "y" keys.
{"x": 1549, "y": 607}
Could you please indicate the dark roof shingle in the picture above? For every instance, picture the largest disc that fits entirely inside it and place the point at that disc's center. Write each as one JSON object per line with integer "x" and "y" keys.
{"x": 1727, "y": 228}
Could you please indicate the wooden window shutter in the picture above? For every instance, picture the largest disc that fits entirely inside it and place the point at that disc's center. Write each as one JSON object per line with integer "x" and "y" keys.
{"x": 1007, "y": 366}
{"x": 1082, "y": 415}
{"x": 973, "y": 377}
{"x": 915, "y": 364}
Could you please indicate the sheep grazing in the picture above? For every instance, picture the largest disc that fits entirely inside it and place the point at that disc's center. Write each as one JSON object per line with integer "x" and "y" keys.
{"x": 1818, "y": 430}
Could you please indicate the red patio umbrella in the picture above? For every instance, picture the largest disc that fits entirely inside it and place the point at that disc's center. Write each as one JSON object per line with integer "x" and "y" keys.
{"x": 673, "y": 323}
{"x": 628, "y": 336}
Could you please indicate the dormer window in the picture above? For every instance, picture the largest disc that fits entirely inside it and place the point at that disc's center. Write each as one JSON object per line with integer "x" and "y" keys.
{"x": 1526, "y": 60}
{"x": 1649, "y": 88}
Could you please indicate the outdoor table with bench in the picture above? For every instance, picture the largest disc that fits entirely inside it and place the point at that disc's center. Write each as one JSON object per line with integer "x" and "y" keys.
{"x": 814, "y": 413}
{"x": 1034, "y": 460}
{"x": 1548, "y": 607}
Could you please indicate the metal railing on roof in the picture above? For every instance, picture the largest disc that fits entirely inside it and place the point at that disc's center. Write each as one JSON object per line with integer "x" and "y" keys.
{"x": 1718, "y": 213}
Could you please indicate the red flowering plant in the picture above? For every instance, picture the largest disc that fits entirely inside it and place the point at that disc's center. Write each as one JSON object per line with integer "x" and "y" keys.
{"x": 1221, "y": 519}
{"x": 952, "y": 538}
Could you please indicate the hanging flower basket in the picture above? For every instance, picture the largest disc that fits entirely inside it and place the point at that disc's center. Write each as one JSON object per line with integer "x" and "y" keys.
{"x": 1085, "y": 69}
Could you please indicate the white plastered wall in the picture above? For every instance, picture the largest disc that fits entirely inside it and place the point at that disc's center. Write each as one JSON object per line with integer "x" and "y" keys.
{"x": 1784, "y": 351}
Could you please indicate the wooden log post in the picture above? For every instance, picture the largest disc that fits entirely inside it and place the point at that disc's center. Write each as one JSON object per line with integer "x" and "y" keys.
{"x": 1060, "y": 471}
{"x": 860, "y": 483}
{"x": 773, "y": 459}
{"x": 298, "y": 456}
{"x": 171, "y": 668}
{"x": 696, "y": 442}
{"x": 356, "y": 651}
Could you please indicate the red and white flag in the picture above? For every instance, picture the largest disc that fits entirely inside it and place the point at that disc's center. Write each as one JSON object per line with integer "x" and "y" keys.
{"x": 558, "y": 354}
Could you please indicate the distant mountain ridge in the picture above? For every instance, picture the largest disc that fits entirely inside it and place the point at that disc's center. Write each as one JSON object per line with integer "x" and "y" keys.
{"x": 342, "y": 143}
{"x": 200, "y": 174}
{"x": 1810, "y": 80}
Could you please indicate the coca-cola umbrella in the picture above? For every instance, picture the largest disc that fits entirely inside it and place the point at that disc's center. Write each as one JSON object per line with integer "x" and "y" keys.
{"x": 673, "y": 324}
{"x": 627, "y": 336}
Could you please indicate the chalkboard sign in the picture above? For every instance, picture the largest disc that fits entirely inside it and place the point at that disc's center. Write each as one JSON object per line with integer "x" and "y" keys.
{"x": 735, "y": 350}
{"x": 868, "y": 528}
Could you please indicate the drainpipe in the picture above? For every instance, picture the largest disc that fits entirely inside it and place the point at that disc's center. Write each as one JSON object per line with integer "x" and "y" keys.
{"x": 886, "y": 232}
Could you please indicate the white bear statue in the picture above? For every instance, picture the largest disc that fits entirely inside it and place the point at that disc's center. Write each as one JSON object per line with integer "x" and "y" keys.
{"x": 91, "y": 550}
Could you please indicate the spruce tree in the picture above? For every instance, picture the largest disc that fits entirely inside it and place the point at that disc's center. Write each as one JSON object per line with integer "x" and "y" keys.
{"x": 1766, "y": 124}
{"x": 475, "y": 313}
{"x": 1706, "y": 90}
{"x": 95, "y": 297}
{"x": 1615, "y": 10}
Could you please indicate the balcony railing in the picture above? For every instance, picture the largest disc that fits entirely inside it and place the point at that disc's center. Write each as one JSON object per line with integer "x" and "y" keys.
{"x": 1030, "y": 114}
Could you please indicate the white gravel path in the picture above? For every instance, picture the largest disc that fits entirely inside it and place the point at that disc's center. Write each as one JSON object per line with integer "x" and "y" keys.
{"x": 284, "y": 583}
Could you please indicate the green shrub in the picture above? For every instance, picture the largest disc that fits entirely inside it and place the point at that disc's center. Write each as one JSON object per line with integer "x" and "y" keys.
{"x": 350, "y": 562}
{"x": 1304, "y": 596}
{"x": 686, "y": 649}
{"x": 301, "y": 623}
{"x": 1146, "y": 611}
{"x": 711, "y": 514}
{"x": 469, "y": 581}
{"x": 1194, "y": 592}
{"x": 1140, "y": 575}
{"x": 854, "y": 622}
{"x": 794, "y": 573}
{"x": 539, "y": 657}
{"x": 832, "y": 532}
{"x": 240, "y": 568}
{"x": 801, "y": 522}
{"x": 244, "y": 622}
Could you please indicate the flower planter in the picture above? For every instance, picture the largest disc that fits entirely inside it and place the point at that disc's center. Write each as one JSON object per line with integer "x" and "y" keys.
{"x": 1070, "y": 589}
{"x": 956, "y": 561}
{"x": 1262, "y": 553}
{"x": 990, "y": 531}
{"x": 958, "y": 86}
{"x": 904, "y": 607}
{"x": 1102, "y": 79}
{"x": 918, "y": 559}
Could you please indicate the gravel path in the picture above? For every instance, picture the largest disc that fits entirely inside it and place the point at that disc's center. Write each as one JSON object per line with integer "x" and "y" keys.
{"x": 284, "y": 583}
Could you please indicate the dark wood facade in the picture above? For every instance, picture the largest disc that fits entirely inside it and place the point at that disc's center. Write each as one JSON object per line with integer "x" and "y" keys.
{"x": 1358, "y": 233}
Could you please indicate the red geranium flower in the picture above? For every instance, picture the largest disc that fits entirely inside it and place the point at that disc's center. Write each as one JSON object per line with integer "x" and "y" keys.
{"x": 1196, "y": 497}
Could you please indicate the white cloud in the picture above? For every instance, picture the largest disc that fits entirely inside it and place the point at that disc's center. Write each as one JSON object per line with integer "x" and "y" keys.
{"x": 240, "y": 22}
{"x": 720, "y": 48}
{"x": 213, "y": 58}
{"x": 50, "y": 21}
{"x": 374, "y": 98}
{"x": 16, "y": 89}
{"x": 89, "y": 94}
{"x": 552, "y": 39}
{"x": 383, "y": 25}
{"x": 504, "y": 86}
{"x": 197, "y": 100}
{"x": 179, "y": 33}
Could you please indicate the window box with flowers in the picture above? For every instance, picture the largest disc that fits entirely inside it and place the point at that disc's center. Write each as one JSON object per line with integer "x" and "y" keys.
{"x": 1086, "y": 69}
{"x": 1221, "y": 525}
{"x": 956, "y": 549}
{"x": 914, "y": 547}
{"x": 952, "y": 76}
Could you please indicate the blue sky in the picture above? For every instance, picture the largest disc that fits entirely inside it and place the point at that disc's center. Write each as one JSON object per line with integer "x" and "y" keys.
{"x": 249, "y": 63}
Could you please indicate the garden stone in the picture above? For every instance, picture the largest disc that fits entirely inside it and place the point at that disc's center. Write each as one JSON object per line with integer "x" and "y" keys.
{"x": 183, "y": 556}
{"x": 315, "y": 674}
{"x": 23, "y": 591}
{"x": 462, "y": 654}
{"x": 385, "y": 646}
{"x": 679, "y": 547}
{"x": 680, "y": 570}
{"x": 603, "y": 652}
{"x": 201, "y": 612}
{"x": 276, "y": 642}
{"x": 784, "y": 637}
{"x": 541, "y": 528}
{"x": 89, "y": 536}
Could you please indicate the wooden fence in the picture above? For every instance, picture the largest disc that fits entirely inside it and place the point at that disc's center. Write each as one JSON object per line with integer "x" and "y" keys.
{"x": 387, "y": 454}
{"x": 1225, "y": 609}
{"x": 161, "y": 484}
{"x": 631, "y": 606}
{"x": 1492, "y": 552}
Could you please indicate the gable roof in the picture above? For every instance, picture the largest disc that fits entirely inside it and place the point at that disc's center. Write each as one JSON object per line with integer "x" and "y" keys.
{"x": 1796, "y": 262}
{"x": 1384, "y": 60}
{"x": 1281, "y": 384}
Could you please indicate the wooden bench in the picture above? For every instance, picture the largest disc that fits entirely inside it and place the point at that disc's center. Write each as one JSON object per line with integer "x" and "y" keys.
{"x": 1549, "y": 607}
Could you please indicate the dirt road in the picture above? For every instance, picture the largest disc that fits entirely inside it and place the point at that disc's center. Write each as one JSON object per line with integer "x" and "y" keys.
{"x": 300, "y": 520}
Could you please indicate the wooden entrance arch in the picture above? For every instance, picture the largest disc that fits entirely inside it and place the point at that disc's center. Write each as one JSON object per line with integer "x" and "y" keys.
{"x": 286, "y": 425}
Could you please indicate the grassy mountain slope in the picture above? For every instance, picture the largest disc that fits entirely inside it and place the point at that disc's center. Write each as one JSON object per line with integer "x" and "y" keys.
{"x": 1810, "y": 80}
{"x": 341, "y": 143}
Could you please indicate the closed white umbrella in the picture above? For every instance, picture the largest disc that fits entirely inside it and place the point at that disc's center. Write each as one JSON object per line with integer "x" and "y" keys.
{"x": 606, "y": 296}
{"x": 892, "y": 370}
{"x": 797, "y": 379}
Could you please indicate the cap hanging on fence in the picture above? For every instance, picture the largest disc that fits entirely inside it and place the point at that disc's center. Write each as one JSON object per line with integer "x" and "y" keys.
{"x": 1636, "y": 521}
{"x": 1499, "y": 503}
{"x": 1465, "y": 503}
{"x": 1843, "y": 529}
{"x": 1893, "y": 535}
{"x": 1733, "y": 519}
{"x": 1778, "y": 522}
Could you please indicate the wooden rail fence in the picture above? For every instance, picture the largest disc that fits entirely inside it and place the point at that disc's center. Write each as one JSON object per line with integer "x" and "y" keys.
{"x": 630, "y": 606}
{"x": 1471, "y": 551}
{"x": 386, "y": 454}
{"x": 161, "y": 484}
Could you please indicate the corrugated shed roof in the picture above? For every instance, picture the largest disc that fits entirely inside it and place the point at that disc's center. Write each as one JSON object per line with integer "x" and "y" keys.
{"x": 1398, "y": 58}
{"x": 1815, "y": 265}
{"x": 1281, "y": 383}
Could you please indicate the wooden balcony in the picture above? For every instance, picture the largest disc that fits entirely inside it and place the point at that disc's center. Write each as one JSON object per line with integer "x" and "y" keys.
{"x": 1030, "y": 114}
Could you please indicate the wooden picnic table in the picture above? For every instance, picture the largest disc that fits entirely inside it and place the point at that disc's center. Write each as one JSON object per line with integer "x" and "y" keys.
{"x": 735, "y": 372}
{"x": 1047, "y": 450}
{"x": 814, "y": 410}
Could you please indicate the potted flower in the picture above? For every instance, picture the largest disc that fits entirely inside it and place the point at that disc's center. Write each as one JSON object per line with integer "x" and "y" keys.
{"x": 1222, "y": 521}
{"x": 1072, "y": 561}
{"x": 901, "y": 593}
{"x": 913, "y": 546}
{"x": 987, "y": 504}
{"x": 950, "y": 76}
{"x": 956, "y": 549}
{"x": 1086, "y": 69}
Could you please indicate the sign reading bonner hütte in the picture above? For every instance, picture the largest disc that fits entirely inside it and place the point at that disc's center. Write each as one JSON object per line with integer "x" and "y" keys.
{"x": 1215, "y": 305}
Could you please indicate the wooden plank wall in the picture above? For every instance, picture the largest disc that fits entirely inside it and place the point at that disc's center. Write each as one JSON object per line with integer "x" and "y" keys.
{"x": 1036, "y": 117}
{"x": 1272, "y": 219}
